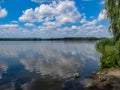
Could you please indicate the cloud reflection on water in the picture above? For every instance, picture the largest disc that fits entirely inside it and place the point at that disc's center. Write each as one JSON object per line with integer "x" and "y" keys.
{"x": 3, "y": 68}
{"x": 51, "y": 58}
{"x": 56, "y": 59}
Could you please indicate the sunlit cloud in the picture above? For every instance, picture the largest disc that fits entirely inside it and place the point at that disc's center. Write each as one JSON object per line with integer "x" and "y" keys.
{"x": 3, "y": 12}
{"x": 103, "y": 15}
{"x": 55, "y": 19}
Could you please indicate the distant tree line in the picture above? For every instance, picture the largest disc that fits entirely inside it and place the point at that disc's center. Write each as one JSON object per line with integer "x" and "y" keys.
{"x": 50, "y": 39}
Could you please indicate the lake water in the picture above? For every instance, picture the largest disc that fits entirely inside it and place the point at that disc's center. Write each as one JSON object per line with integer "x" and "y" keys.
{"x": 46, "y": 65}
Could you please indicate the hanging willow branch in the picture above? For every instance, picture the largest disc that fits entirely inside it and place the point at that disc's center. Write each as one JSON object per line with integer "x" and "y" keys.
{"x": 113, "y": 13}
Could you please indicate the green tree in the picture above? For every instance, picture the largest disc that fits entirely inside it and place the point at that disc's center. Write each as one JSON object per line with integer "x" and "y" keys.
{"x": 113, "y": 14}
{"x": 110, "y": 48}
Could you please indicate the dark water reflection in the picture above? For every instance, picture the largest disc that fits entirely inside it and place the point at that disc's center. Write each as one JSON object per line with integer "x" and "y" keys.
{"x": 33, "y": 65}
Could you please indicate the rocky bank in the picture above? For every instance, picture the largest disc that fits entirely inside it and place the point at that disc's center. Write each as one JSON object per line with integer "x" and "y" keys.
{"x": 107, "y": 79}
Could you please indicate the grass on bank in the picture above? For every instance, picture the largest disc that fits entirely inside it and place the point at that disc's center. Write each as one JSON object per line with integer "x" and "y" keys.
{"x": 110, "y": 50}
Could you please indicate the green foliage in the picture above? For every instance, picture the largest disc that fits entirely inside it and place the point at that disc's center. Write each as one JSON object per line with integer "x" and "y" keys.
{"x": 110, "y": 53}
{"x": 103, "y": 43}
{"x": 113, "y": 13}
{"x": 110, "y": 48}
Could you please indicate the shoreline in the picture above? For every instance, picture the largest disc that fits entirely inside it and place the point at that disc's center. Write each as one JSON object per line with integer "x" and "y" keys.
{"x": 52, "y": 39}
{"x": 107, "y": 79}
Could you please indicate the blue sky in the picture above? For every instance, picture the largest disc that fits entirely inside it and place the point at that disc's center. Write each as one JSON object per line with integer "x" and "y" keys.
{"x": 53, "y": 18}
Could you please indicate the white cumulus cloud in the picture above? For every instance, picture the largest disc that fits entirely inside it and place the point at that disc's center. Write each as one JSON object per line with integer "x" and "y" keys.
{"x": 62, "y": 12}
{"x": 8, "y": 25}
{"x": 103, "y": 15}
{"x": 29, "y": 24}
{"x": 38, "y": 1}
{"x": 87, "y": 29}
{"x": 3, "y": 12}
{"x": 86, "y": 0}
{"x": 83, "y": 20}
{"x": 55, "y": 20}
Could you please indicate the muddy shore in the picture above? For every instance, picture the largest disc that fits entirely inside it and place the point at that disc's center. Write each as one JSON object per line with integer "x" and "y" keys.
{"x": 107, "y": 79}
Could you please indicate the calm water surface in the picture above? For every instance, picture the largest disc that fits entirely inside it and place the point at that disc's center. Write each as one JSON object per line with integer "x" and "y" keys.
{"x": 46, "y": 65}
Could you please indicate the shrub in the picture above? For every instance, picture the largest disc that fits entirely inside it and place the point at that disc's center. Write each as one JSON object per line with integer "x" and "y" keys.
{"x": 110, "y": 53}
